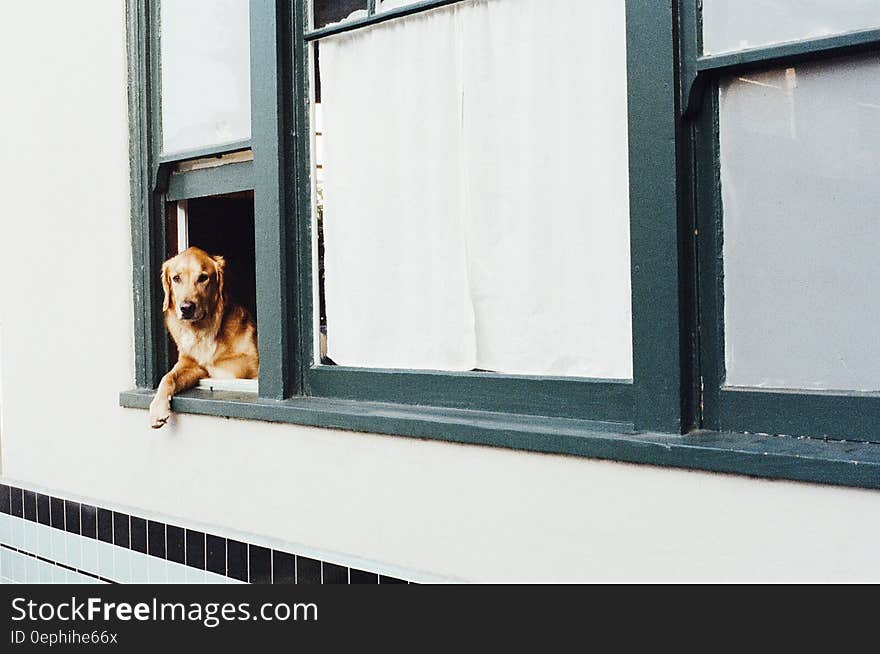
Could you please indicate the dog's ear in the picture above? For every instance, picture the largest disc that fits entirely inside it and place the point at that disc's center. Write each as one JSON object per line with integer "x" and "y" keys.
{"x": 166, "y": 286}
{"x": 220, "y": 267}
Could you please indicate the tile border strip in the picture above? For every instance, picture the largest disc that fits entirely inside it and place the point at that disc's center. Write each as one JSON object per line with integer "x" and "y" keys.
{"x": 57, "y": 563}
{"x": 227, "y": 557}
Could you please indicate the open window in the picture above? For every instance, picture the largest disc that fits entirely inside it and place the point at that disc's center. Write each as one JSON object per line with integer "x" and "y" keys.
{"x": 198, "y": 213}
{"x": 205, "y": 179}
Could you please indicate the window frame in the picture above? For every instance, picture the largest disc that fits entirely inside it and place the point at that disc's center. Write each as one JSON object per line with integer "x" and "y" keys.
{"x": 849, "y": 415}
{"x": 665, "y": 426}
{"x": 651, "y": 401}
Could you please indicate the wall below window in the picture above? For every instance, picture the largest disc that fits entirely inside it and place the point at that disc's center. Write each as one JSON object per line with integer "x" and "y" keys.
{"x": 429, "y": 509}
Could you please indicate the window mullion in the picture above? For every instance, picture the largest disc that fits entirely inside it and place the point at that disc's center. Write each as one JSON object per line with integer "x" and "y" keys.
{"x": 659, "y": 333}
{"x": 276, "y": 297}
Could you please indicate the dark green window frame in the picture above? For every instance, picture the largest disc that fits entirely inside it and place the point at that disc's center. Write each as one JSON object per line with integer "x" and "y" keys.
{"x": 833, "y": 414}
{"x": 655, "y": 419}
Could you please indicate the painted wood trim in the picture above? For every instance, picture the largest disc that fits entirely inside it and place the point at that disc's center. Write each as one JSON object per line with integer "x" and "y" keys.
{"x": 772, "y": 457}
{"x": 660, "y": 388}
{"x": 204, "y": 182}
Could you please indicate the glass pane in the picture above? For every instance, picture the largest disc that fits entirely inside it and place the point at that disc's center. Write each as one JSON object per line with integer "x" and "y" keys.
{"x": 325, "y": 12}
{"x": 473, "y": 190}
{"x": 730, "y": 25}
{"x": 206, "y": 81}
{"x": 800, "y": 172}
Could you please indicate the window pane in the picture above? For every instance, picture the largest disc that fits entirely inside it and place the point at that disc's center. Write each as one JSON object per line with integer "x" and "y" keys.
{"x": 800, "y": 172}
{"x": 325, "y": 12}
{"x": 730, "y": 25}
{"x": 206, "y": 83}
{"x": 475, "y": 191}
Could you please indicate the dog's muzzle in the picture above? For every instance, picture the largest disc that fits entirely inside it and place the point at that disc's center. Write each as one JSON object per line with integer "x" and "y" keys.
{"x": 187, "y": 310}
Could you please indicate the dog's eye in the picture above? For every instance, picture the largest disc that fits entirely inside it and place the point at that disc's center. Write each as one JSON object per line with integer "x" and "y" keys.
{"x": 203, "y": 278}
{"x": 176, "y": 279}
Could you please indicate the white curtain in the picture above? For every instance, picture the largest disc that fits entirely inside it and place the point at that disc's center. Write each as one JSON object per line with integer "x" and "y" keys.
{"x": 476, "y": 207}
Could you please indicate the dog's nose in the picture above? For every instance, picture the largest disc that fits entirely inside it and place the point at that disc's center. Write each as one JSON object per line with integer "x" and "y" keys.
{"x": 187, "y": 309}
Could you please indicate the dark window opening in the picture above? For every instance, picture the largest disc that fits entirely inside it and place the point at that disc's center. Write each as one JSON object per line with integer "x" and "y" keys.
{"x": 221, "y": 225}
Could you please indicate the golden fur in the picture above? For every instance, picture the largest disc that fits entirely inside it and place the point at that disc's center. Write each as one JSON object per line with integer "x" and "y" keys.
{"x": 214, "y": 337}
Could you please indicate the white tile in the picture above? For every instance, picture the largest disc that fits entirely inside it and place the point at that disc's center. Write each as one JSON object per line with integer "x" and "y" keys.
{"x": 213, "y": 578}
{"x": 47, "y": 572}
{"x": 176, "y": 573}
{"x": 122, "y": 565}
{"x": 6, "y": 529}
{"x": 17, "y": 532}
{"x": 17, "y": 571}
{"x": 59, "y": 574}
{"x": 194, "y": 575}
{"x": 58, "y": 546}
{"x": 89, "y": 555}
{"x": 140, "y": 566}
{"x": 157, "y": 570}
{"x": 44, "y": 541}
{"x": 105, "y": 567}
{"x": 32, "y": 570}
{"x": 5, "y": 562}
{"x": 73, "y": 555}
{"x": 31, "y": 537}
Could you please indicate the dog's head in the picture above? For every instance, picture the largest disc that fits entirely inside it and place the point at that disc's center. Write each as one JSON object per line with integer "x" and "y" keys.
{"x": 193, "y": 284}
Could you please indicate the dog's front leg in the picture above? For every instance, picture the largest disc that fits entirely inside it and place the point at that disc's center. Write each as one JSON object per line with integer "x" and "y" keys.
{"x": 185, "y": 374}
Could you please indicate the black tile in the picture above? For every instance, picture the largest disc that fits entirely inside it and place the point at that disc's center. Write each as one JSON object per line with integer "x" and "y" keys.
{"x": 236, "y": 560}
{"x": 56, "y": 512}
{"x": 333, "y": 574}
{"x": 195, "y": 549}
{"x": 121, "y": 535}
{"x": 156, "y": 539}
{"x": 88, "y": 517}
{"x": 259, "y": 565}
{"x": 30, "y": 505}
{"x": 43, "y": 515}
{"x": 138, "y": 534}
{"x": 308, "y": 571}
{"x": 16, "y": 502}
{"x": 71, "y": 516}
{"x": 105, "y": 525}
{"x": 215, "y": 557}
{"x": 175, "y": 539}
{"x": 363, "y": 577}
{"x": 283, "y": 568}
{"x": 390, "y": 580}
{"x": 4, "y": 498}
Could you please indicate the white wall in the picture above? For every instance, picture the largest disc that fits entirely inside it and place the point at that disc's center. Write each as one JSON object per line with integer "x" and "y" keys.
{"x": 460, "y": 511}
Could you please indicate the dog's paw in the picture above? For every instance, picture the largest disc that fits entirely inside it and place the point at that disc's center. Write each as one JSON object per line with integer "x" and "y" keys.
{"x": 160, "y": 411}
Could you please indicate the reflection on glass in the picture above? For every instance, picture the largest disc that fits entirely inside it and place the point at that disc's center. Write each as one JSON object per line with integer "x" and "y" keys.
{"x": 730, "y": 25}
{"x": 205, "y": 50}
{"x": 800, "y": 172}
{"x": 325, "y": 12}
{"x": 387, "y": 5}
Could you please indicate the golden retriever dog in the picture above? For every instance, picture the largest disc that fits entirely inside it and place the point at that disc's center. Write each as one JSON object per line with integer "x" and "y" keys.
{"x": 214, "y": 337}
